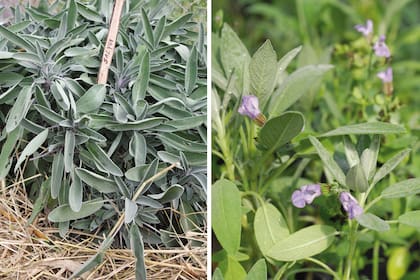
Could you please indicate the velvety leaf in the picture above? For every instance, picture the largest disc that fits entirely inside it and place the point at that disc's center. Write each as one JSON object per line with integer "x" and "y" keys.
{"x": 411, "y": 218}
{"x": 60, "y": 96}
{"x": 304, "y": 243}
{"x": 71, "y": 15}
{"x": 366, "y": 128}
{"x": 269, "y": 226}
{"x": 64, "y": 213}
{"x": 136, "y": 244}
{"x": 356, "y": 178}
{"x": 92, "y": 99}
{"x": 19, "y": 109}
{"x": 100, "y": 183}
{"x": 103, "y": 159}
{"x": 257, "y": 271}
{"x": 57, "y": 174}
{"x": 31, "y": 148}
{"x": 295, "y": 86}
{"x": 369, "y": 157}
{"x": 7, "y": 149}
{"x": 402, "y": 189}
{"x": 287, "y": 58}
{"x": 191, "y": 71}
{"x": 263, "y": 72}
{"x": 232, "y": 269}
{"x": 388, "y": 166}
{"x": 226, "y": 214}
{"x": 76, "y": 194}
{"x": 328, "y": 161}
{"x": 279, "y": 130}
{"x": 174, "y": 192}
{"x": 130, "y": 210}
{"x": 142, "y": 82}
{"x": 69, "y": 146}
{"x": 16, "y": 39}
{"x": 372, "y": 222}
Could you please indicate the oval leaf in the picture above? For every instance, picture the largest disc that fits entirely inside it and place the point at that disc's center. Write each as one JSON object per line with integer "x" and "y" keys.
{"x": 64, "y": 213}
{"x": 19, "y": 109}
{"x": 280, "y": 130}
{"x": 92, "y": 99}
{"x": 100, "y": 183}
{"x": 226, "y": 214}
{"x": 402, "y": 189}
{"x": 303, "y": 244}
{"x": 373, "y": 222}
{"x": 356, "y": 178}
{"x": 411, "y": 218}
{"x": 31, "y": 148}
{"x": 270, "y": 227}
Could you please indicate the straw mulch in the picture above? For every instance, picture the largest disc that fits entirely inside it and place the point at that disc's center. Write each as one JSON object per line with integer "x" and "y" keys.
{"x": 36, "y": 252}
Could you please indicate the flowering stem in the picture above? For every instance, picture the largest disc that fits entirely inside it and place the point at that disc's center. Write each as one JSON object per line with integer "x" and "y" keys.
{"x": 375, "y": 264}
{"x": 353, "y": 242}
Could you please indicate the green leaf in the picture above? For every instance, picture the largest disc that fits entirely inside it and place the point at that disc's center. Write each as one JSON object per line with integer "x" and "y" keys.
{"x": 235, "y": 58}
{"x": 19, "y": 109}
{"x": 142, "y": 82}
{"x": 226, "y": 214}
{"x": 258, "y": 271}
{"x": 16, "y": 39}
{"x": 41, "y": 200}
{"x": 148, "y": 32}
{"x": 130, "y": 210}
{"x": 103, "y": 159}
{"x": 356, "y": 178}
{"x": 60, "y": 96}
{"x": 232, "y": 269}
{"x": 295, "y": 86}
{"x": 191, "y": 71}
{"x": 158, "y": 31}
{"x": 174, "y": 192}
{"x": 328, "y": 161}
{"x": 303, "y": 244}
{"x": 92, "y": 99}
{"x": 88, "y": 13}
{"x": 350, "y": 150}
{"x": 100, "y": 183}
{"x": 389, "y": 165}
{"x": 287, "y": 58}
{"x": 136, "y": 125}
{"x": 176, "y": 24}
{"x": 366, "y": 128}
{"x": 64, "y": 213}
{"x": 76, "y": 194}
{"x": 369, "y": 157}
{"x": 138, "y": 148}
{"x": 57, "y": 175}
{"x": 263, "y": 72}
{"x": 71, "y": 15}
{"x": 279, "y": 130}
{"x": 49, "y": 114}
{"x": 69, "y": 146}
{"x": 31, "y": 147}
{"x": 6, "y": 150}
{"x": 217, "y": 274}
{"x": 136, "y": 244}
{"x": 269, "y": 226}
{"x": 79, "y": 51}
{"x": 402, "y": 189}
{"x": 372, "y": 222}
{"x": 411, "y": 219}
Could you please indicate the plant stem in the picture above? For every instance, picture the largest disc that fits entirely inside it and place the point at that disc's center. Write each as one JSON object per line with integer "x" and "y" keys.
{"x": 375, "y": 264}
{"x": 353, "y": 242}
{"x": 324, "y": 266}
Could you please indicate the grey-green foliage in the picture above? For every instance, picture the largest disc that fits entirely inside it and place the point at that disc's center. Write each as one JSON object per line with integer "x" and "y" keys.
{"x": 86, "y": 137}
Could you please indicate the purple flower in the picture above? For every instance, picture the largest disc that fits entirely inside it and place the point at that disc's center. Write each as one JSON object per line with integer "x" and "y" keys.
{"x": 249, "y": 107}
{"x": 380, "y": 48}
{"x": 305, "y": 195}
{"x": 386, "y": 76}
{"x": 350, "y": 204}
{"x": 365, "y": 30}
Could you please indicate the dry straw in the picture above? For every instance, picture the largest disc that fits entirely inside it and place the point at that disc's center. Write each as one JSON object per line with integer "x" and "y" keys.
{"x": 36, "y": 252}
